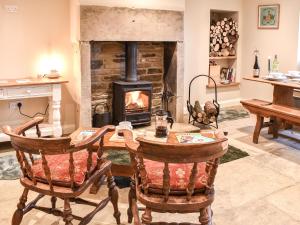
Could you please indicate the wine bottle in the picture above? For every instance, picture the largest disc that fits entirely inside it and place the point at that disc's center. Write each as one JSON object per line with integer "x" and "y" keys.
{"x": 275, "y": 65}
{"x": 256, "y": 68}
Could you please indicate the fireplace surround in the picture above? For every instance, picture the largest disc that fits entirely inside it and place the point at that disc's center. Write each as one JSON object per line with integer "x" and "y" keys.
{"x": 121, "y": 25}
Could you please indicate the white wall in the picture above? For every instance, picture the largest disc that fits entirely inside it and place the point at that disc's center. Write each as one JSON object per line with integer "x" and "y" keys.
{"x": 38, "y": 29}
{"x": 283, "y": 42}
{"x": 145, "y": 4}
{"x": 196, "y": 42}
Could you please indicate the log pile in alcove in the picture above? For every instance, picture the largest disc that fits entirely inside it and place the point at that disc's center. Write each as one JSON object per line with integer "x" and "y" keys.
{"x": 223, "y": 36}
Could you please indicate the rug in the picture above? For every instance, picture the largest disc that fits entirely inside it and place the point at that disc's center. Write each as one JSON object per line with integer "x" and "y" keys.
{"x": 232, "y": 113}
{"x": 10, "y": 170}
{"x": 122, "y": 157}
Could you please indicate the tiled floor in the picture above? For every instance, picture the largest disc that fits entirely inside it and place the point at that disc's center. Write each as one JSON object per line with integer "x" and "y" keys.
{"x": 262, "y": 189}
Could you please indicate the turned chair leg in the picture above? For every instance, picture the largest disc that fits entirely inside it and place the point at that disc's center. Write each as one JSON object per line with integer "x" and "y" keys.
{"x": 133, "y": 211}
{"x": 258, "y": 126}
{"x": 18, "y": 215}
{"x": 146, "y": 217}
{"x": 131, "y": 197}
{"x": 114, "y": 196}
{"x": 205, "y": 216}
{"x": 67, "y": 212}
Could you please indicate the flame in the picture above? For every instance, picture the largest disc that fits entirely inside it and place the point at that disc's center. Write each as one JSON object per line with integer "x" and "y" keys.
{"x": 134, "y": 98}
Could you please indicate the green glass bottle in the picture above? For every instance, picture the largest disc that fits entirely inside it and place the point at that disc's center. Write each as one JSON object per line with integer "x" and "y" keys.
{"x": 275, "y": 65}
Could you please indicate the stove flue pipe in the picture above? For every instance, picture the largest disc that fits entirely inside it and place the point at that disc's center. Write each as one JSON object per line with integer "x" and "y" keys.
{"x": 131, "y": 61}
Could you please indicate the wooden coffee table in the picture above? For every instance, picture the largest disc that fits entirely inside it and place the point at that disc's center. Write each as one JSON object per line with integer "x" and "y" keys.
{"x": 127, "y": 170}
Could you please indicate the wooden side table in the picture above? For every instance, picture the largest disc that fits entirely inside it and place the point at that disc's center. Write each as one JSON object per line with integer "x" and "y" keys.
{"x": 30, "y": 88}
{"x": 127, "y": 170}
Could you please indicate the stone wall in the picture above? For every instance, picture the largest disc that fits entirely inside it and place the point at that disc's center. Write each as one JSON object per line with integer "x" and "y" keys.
{"x": 108, "y": 65}
{"x": 101, "y": 23}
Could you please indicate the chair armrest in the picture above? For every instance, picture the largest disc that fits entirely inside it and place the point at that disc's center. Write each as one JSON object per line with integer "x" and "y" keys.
{"x": 35, "y": 121}
{"x": 129, "y": 142}
{"x": 94, "y": 138}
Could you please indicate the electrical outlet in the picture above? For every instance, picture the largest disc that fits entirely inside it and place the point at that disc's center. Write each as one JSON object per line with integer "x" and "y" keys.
{"x": 11, "y": 8}
{"x": 13, "y": 105}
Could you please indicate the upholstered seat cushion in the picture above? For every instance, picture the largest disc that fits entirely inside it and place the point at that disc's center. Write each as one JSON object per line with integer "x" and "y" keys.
{"x": 179, "y": 175}
{"x": 59, "y": 168}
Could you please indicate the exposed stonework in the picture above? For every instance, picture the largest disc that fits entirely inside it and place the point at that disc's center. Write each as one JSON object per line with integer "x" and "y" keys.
{"x": 126, "y": 24}
{"x": 108, "y": 65}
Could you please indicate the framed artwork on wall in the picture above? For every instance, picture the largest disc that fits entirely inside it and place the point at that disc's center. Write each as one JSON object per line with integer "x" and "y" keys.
{"x": 268, "y": 16}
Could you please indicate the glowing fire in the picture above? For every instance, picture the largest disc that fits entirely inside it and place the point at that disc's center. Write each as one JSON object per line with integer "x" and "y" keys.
{"x": 136, "y": 100}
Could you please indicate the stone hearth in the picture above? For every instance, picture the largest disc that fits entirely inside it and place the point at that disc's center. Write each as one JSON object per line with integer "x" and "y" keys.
{"x": 160, "y": 53}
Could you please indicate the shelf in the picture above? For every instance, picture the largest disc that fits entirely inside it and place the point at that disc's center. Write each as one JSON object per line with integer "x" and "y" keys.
{"x": 233, "y": 84}
{"x": 222, "y": 57}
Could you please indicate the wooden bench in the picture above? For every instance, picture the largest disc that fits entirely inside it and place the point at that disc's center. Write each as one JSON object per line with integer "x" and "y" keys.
{"x": 278, "y": 114}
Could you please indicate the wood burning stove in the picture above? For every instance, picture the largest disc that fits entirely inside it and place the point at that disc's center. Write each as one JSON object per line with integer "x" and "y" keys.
{"x": 132, "y": 102}
{"x": 132, "y": 98}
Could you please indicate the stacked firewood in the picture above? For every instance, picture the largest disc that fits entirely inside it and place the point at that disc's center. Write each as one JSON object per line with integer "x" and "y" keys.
{"x": 206, "y": 115}
{"x": 223, "y": 36}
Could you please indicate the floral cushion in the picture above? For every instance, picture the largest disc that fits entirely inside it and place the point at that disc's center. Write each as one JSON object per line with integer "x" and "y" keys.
{"x": 179, "y": 175}
{"x": 59, "y": 168}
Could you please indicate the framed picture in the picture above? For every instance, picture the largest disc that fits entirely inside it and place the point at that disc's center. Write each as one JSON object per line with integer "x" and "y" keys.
{"x": 268, "y": 16}
{"x": 224, "y": 72}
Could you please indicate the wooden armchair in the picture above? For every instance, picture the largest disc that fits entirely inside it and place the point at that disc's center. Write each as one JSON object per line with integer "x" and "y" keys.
{"x": 173, "y": 177}
{"x": 62, "y": 170}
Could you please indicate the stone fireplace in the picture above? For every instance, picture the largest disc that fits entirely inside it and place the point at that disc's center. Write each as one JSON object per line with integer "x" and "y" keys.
{"x": 159, "y": 37}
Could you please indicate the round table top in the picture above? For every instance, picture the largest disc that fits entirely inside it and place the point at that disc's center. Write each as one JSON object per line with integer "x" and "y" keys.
{"x": 177, "y": 128}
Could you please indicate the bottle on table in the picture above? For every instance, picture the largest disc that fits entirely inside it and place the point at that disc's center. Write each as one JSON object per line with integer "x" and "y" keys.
{"x": 256, "y": 68}
{"x": 275, "y": 64}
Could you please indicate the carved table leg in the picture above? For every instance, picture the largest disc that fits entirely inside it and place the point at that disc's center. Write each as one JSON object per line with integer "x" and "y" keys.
{"x": 283, "y": 95}
{"x": 258, "y": 126}
{"x": 270, "y": 129}
{"x": 146, "y": 217}
{"x": 114, "y": 196}
{"x": 96, "y": 185}
{"x": 54, "y": 110}
{"x": 275, "y": 128}
{"x": 18, "y": 215}
{"x": 53, "y": 202}
{"x": 67, "y": 212}
{"x": 205, "y": 216}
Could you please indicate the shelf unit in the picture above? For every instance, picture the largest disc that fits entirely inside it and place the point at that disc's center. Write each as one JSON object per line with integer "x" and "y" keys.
{"x": 223, "y": 62}
{"x": 232, "y": 84}
{"x": 222, "y": 57}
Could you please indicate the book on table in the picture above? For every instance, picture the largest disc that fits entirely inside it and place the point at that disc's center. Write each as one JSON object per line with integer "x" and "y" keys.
{"x": 192, "y": 138}
{"x": 84, "y": 134}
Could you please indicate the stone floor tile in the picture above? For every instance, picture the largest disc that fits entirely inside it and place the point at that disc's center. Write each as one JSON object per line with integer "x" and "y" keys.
{"x": 253, "y": 213}
{"x": 281, "y": 165}
{"x": 288, "y": 201}
{"x": 242, "y": 181}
